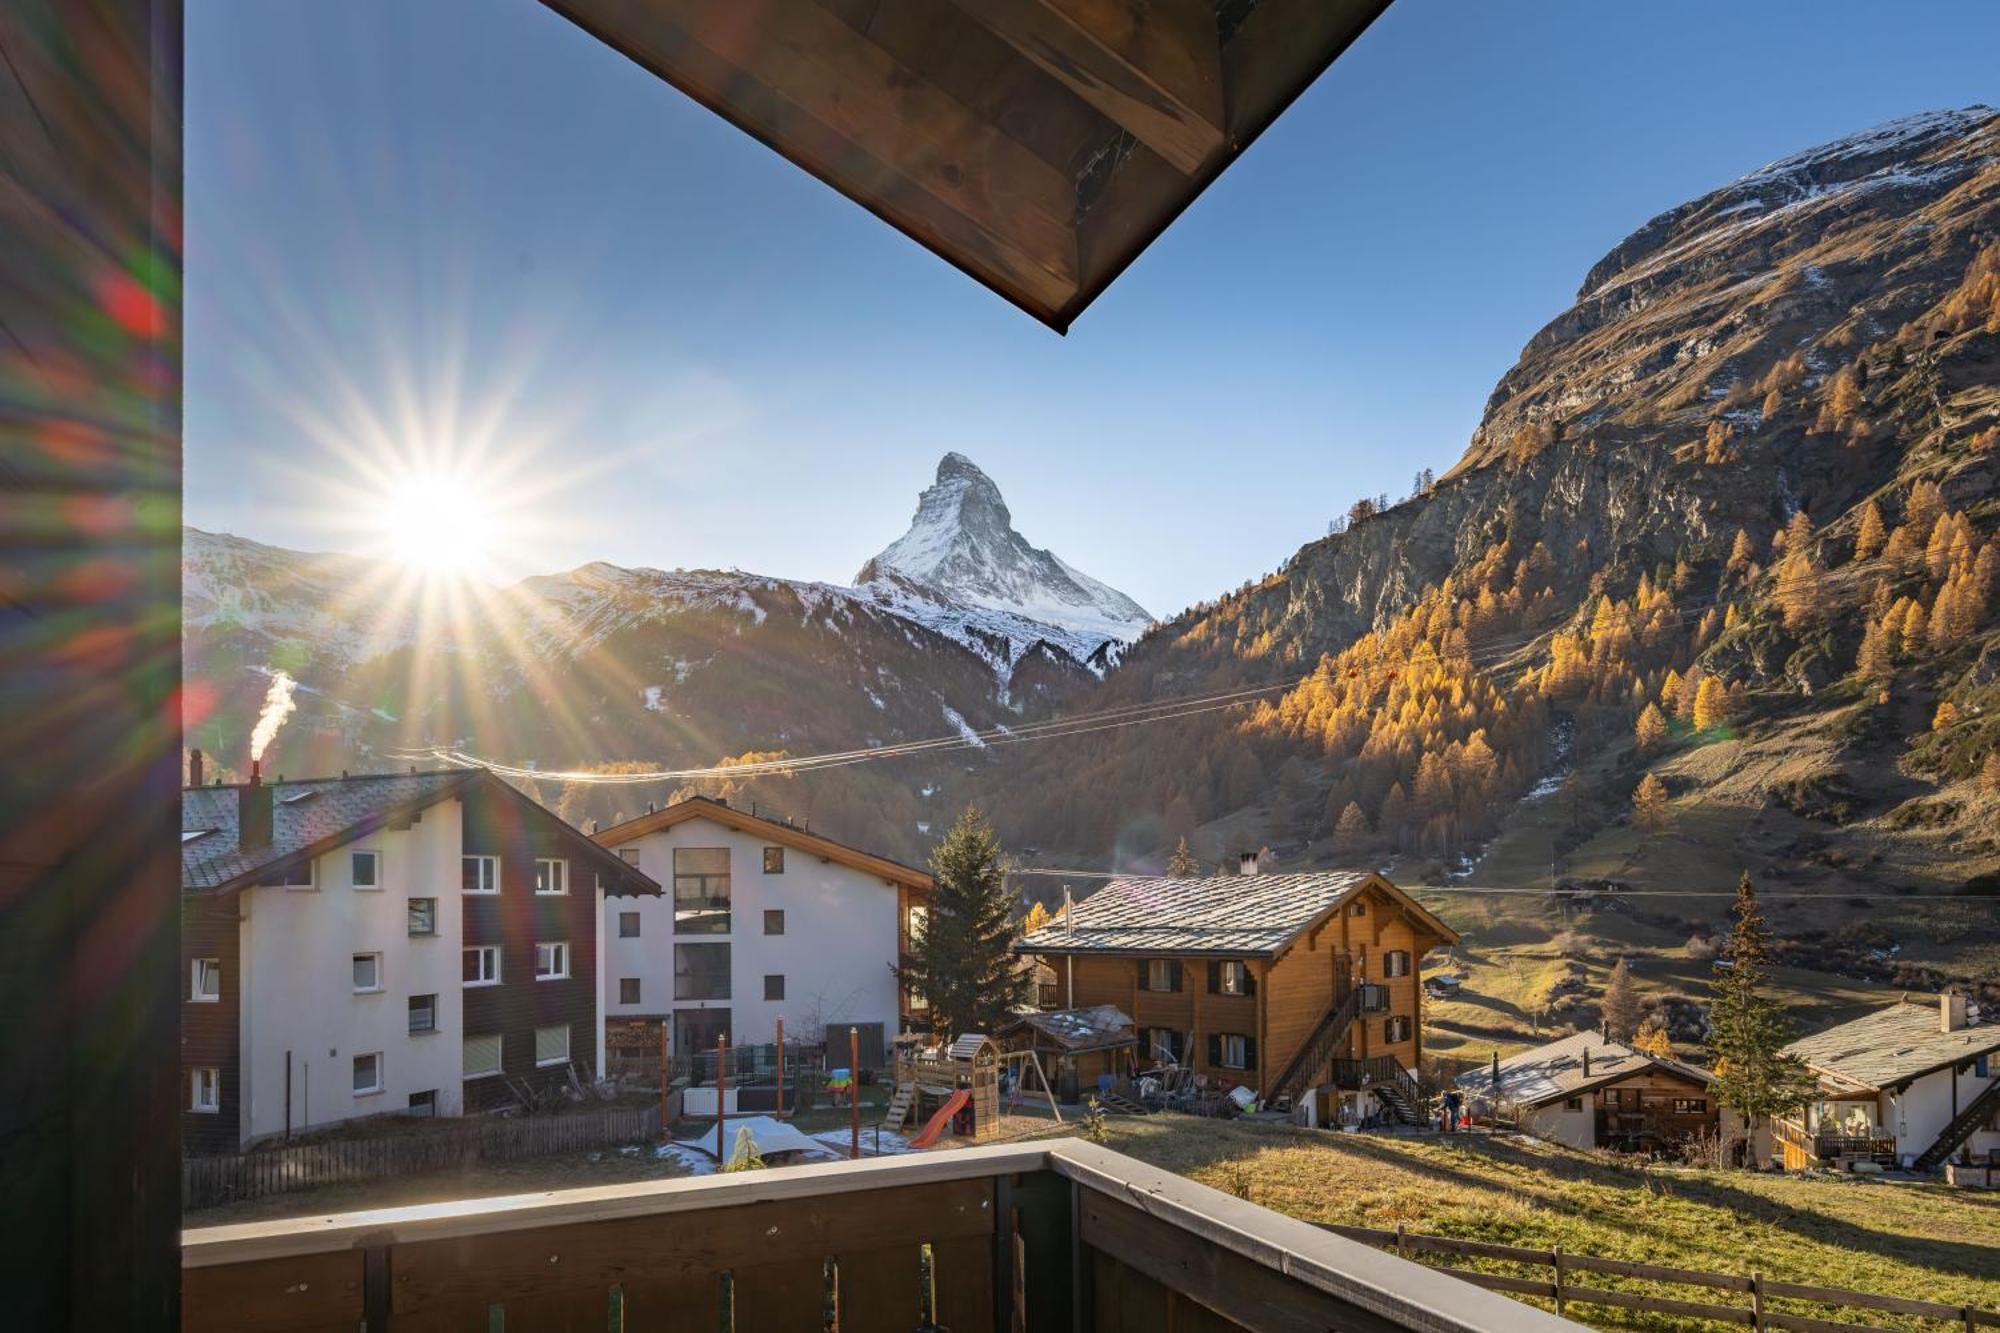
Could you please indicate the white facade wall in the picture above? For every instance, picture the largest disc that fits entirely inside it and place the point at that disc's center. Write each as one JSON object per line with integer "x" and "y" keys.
{"x": 839, "y": 944}
{"x": 1578, "y": 1129}
{"x": 1917, "y": 1115}
{"x": 297, "y": 990}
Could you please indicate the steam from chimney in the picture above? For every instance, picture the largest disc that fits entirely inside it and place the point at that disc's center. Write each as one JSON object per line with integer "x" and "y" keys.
{"x": 278, "y": 706}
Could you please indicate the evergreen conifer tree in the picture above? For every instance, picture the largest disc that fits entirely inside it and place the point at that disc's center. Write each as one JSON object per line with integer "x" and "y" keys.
{"x": 1620, "y": 1004}
{"x": 1182, "y": 865}
{"x": 963, "y": 962}
{"x": 1748, "y": 1029}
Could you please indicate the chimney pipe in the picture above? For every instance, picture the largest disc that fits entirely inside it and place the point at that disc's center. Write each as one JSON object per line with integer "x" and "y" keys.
{"x": 1246, "y": 863}
{"x": 1586, "y": 1062}
{"x": 194, "y": 768}
{"x": 1951, "y": 1012}
{"x": 253, "y": 811}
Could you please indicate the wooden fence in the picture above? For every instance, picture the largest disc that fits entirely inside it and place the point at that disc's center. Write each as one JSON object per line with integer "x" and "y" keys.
{"x": 450, "y": 1145}
{"x": 1564, "y": 1289}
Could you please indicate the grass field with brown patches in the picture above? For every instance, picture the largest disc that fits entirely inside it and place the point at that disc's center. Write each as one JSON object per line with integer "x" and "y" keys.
{"x": 1925, "y": 1241}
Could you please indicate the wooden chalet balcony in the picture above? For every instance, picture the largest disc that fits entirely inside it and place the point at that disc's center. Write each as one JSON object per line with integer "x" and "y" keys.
{"x": 1054, "y": 1235}
{"x": 1830, "y": 1147}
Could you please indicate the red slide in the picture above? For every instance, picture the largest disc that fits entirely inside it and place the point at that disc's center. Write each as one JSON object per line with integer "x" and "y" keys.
{"x": 937, "y": 1123}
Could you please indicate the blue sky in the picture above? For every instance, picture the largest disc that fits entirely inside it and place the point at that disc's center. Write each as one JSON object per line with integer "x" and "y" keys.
{"x": 464, "y": 228}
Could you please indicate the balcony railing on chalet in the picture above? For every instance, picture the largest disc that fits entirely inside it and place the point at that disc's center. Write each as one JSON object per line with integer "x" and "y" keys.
{"x": 1832, "y": 1147}
{"x": 1060, "y": 1235}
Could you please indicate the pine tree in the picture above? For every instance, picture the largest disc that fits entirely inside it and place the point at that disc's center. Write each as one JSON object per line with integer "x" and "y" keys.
{"x": 1877, "y": 658}
{"x": 1711, "y": 704}
{"x": 1800, "y": 589}
{"x": 1869, "y": 537}
{"x": 1798, "y": 532}
{"x": 963, "y": 962}
{"x": 1182, "y": 865}
{"x": 1748, "y": 1029}
{"x": 1651, "y": 728}
{"x": 1742, "y": 553}
{"x": 1649, "y": 804}
{"x": 1352, "y": 830}
{"x": 1619, "y": 1004}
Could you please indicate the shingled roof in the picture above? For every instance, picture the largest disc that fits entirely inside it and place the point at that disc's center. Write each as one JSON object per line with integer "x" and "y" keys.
{"x": 1893, "y": 1046}
{"x": 316, "y": 815}
{"x": 1555, "y": 1070}
{"x": 1226, "y": 916}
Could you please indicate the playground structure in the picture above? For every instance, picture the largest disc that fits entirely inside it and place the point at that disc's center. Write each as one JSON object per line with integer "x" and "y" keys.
{"x": 957, "y": 1086}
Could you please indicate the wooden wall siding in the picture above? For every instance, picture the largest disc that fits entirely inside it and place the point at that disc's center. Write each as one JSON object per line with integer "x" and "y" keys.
{"x": 210, "y": 1033}
{"x": 310, "y": 1293}
{"x": 516, "y": 919}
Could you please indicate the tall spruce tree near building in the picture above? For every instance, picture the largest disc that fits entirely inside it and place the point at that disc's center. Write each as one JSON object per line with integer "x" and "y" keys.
{"x": 1620, "y": 1004}
{"x": 1182, "y": 865}
{"x": 1747, "y": 1028}
{"x": 963, "y": 962}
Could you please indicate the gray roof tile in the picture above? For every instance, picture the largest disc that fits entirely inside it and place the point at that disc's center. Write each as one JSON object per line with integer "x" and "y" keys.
{"x": 1240, "y": 916}
{"x": 1891, "y": 1045}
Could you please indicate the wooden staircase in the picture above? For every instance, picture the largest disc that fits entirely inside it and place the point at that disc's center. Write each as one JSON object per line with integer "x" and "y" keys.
{"x": 1319, "y": 1049}
{"x": 899, "y": 1107}
{"x": 1961, "y": 1128}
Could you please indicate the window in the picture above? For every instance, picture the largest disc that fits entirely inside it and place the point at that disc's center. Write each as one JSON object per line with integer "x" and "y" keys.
{"x": 701, "y": 890}
{"x": 365, "y": 870}
{"x": 701, "y": 971}
{"x": 424, "y": 1103}
{"x": 774, "y": 860}
{"x": 1161, "y": 974}
{"x": 629, "y": 855}
{"x": 1230, "y": 1050}
{"x": 774, "y": 986}
{"x": 628, "y": 925}
{"x": 1396, "y": 963}
{"x": 367, "y": 1074}
{"x": 552, "y": 1044}
{"x": 551, "y": 961}
{"x": 205, "y": 1090}
{"x": 551, "y": 875}
{"x": 367, "y": 973}
{"x": 299, "y": 876}
{"x": 482, "y": 1055}
{"x": 423, "y": 1014}
{"x": 423, "y": 916}
{"x": 205, "y": 986}
{"x": 1163, "y": 1044}
{"x": 479, "y": 874}
{"x": 1374, "y": 999}
{"x": 482, "y": 965}
{"x": 774, "y": 922}
{"x": 1396, "y": 1029}
{"x": 1690, "y": 1106}
{"x": 1572, "y": 1103}
{"x": 1230, "y": 978}
{"x": 920, "y": 918}
{"x": 1358, "y": 909}
{"x": 628, "y": 990}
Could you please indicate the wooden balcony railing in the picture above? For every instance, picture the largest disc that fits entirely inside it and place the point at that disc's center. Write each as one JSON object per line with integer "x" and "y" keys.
{"x": 1060, "y": 1235}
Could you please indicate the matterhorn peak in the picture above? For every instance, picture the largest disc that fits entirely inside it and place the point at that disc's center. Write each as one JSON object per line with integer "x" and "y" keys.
{"x": 962, "y": 549}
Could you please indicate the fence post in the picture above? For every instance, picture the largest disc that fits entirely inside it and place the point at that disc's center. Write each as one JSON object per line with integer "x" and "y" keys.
{"x": 1556, "y": 1258}
{"x": 663, "y": 1080}
{"x": 1402, "y": 1245}
{"x": 1757, "y": 1300}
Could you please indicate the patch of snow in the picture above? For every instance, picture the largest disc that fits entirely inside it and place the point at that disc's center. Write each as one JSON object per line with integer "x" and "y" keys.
{"x": 652, "y": 697}
{"x": 972, "y": 738}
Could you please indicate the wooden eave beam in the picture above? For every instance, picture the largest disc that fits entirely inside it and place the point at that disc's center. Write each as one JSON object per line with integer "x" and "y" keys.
{"x": 1154, "y": 70}
{"x": 793, "y": 75}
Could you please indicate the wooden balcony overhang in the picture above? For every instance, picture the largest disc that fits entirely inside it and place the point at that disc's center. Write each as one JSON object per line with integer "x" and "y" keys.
{"x": 1037, "y": 145}
{"x": 1060, "y": 1234}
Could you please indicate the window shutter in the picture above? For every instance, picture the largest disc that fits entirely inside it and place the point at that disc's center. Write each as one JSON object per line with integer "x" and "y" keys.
{"x": 1214, "y": 1051}
{"x": 1142, "y": 974}
{"x": 1214, "y": 977}
{"x": 1250, "y": 1055}
{"x": 1174, "y": 974}
{"x": 1249, "y": 980}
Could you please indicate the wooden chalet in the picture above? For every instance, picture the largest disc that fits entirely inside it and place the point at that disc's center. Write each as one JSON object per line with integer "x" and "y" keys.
{"x": 1588, "y": 1091}
{"x": 1283, "y": 983}
{"x": 1074, "y": 1047}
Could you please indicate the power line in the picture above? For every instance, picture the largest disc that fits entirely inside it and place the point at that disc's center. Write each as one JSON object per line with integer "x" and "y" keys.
{"x": 1485, "y": 889}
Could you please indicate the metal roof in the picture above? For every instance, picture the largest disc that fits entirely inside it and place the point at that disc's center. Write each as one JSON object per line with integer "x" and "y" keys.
{"x": 1234, "y": 916}
{"x": 1554, "y": 1070}
{"x": 316, "y": 815}
{"x": 1893, "y": 1046}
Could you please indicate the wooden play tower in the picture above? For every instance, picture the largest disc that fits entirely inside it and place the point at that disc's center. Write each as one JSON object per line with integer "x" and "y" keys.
{"x": 956, "y": 1086}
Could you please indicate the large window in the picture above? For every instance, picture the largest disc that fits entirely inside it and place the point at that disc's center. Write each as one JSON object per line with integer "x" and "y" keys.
{"x": 701, "y": 971}
{"x": 774, "y": 986}
{"x": 1163, "y": 1044}
{"x": 366, "y": 870}
{"x": 423, "y": 916}
{"x": 628, "y": 990}
{"x": 1396, "y": 963}
{"x": 480, "y": 874}
{"x": 205, "y": 1090}
{"x": 551, "y": 875}
{"x": 628, "y": 925}
{"x": 482, "y": 1055}
{"x": 205, "y": 986}
{"x": 1231, "y": 1050}
{"x": 367, "y": 973}
{"x": 552, "y": 1044}
{"x": 551, "y": 961}
{"x": 1160, "y": 974}
{"x": 701, "y": 890}
{"x": 482, "y": 965}
{"x": 1231, "y": 978}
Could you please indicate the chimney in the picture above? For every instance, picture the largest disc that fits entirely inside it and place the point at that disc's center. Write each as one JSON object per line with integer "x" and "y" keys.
{"x": 194, "y": 768}
{"x": 1586, "y": 1062}
{"x": 1951, "y": 1012}
{"x": 1246, "y": 863}
{"x": 253, "y": 811}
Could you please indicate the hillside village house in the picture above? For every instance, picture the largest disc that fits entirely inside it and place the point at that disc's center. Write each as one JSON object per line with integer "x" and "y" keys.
{"x": 763, "y": 920}
{"x": 1283, "y": 983}
{"x": 1588, "y": 1091}
{"x": 1908, "y": 1085}
{"x": 417, "y": 943}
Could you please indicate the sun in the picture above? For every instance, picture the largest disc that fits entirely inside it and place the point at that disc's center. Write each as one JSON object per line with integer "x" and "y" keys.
{"x": 439, "y": 524}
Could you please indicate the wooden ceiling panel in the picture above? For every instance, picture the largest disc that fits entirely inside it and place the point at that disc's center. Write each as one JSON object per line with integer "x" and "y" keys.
{"x": 1038, "y": 145}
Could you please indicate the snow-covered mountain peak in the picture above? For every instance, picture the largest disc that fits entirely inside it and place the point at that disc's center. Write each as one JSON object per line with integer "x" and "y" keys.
{"x": 962, "y": 552}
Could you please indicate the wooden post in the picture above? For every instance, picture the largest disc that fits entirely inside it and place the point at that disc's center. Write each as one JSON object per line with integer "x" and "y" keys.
{"x": 663, "y": 1080}
{"x": 854, "y": 1092}
{"x": 1402, "y": 1244}
{"x": 1556, "y": 1259}
{"x": 1757, "y": 1300}
{"x": 780, "y": 1111}
{"x": 721, "y": 1092}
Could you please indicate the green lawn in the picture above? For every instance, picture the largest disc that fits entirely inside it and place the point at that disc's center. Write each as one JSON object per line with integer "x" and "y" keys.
{"x": 1912, "y": 1240}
